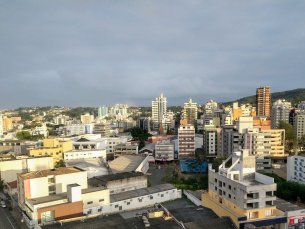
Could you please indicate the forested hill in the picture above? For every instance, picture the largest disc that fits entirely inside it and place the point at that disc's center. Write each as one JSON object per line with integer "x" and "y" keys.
{"x": 293, "y": 96}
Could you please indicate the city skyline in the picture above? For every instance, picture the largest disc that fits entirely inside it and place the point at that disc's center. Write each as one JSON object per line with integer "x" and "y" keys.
{"x": 94, "y": 53}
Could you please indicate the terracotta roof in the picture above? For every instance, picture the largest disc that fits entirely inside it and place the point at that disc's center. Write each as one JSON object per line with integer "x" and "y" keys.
{"x": 13, "y": 184}
{"x": 48, "y": 172}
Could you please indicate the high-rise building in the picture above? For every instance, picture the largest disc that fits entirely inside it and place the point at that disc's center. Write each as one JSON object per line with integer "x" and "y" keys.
{"x": 299, "y": 125}
{"x": 144, "y": 123}
{"x": 212, "y": 141}
{"x": 190, "y": 112}
{"x": 186, "y": 140}
{"x": 279, "y": 111}
{"x": 263, "y": 101}
{"x": 159, "y": 111}
{"x": 87, "y": 118}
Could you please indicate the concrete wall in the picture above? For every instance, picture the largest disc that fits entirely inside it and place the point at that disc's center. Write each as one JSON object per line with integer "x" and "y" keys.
{"x": 39, "y": 163}
{"x": 39, "y": 187}
{"x": 264, "y": 179}
{"x": 61, "y": 181}
{"x": 99, "y": 199}
{"x": 9, "y": 170}
{"x": 144, "y": 166}
{"x": 82, "y": 154}
{"x": 124, "y": 185}
{"x": 192, "y": 198}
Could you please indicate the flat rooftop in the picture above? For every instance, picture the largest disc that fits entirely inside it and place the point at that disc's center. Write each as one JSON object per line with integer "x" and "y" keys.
{"x": 140, "y": 192}
{"x": 49, "y": 172}
{"x": 126, "y": 163}
{"x": 285, "y": 205}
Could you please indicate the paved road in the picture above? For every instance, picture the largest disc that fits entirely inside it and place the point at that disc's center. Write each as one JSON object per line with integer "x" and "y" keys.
{"x": 156, "y": 176}
{"x": 6, "y": 220}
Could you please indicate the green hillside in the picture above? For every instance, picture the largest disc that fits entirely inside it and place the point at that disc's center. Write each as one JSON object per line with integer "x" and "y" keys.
{"x": 293, "y": 96}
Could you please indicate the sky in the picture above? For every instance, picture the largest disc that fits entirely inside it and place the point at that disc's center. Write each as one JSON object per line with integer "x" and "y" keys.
{"x": 93, "y": 53}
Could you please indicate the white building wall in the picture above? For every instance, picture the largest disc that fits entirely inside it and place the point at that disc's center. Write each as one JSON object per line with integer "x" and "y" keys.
{"x": 9, "y": 170}
{"x": 39, "y": 187}
{"x": 61, "y": 181}
{"x": 144, "y": 166}
{"x": 39, "y": 163}
{"x": 296, "y": 169}
{"x": 82, "y": 154}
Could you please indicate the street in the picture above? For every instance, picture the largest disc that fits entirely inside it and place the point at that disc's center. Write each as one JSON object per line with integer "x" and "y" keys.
{"x": 6, "y": 220}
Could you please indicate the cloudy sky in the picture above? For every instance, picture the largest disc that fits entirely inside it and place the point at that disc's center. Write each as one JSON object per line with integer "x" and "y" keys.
{"x": 92, "y": 53}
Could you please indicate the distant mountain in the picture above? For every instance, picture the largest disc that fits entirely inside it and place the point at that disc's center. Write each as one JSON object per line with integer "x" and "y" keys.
{"x": 293, "y": 96}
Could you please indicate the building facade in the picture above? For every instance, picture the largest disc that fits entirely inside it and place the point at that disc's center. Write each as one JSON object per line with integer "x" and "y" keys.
{"x": 263, "y": 101}
{"x": 103, "y": 129}
{"x": 190, "y": 112}
{"x": 280, "y": 111}
{"x": 186, "y": 140}
{"x": 164, "y": 150}
{"x": 159, "y": 111}
{"x": 299, "y": 125}
{"x": 296, "y": 168}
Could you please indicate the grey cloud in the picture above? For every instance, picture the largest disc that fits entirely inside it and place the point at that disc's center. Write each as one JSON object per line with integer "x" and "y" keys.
{"x": 90, "y": 53}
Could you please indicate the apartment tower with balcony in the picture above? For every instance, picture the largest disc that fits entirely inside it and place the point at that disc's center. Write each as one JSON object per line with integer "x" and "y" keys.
{"x": 263, "y": 101}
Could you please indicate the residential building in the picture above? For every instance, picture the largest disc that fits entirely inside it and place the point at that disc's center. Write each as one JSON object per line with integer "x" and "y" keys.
{"x": 242, "y": 193}
{"x": 119, "y": 182}
{"x": 103, "y": 129}
{"x": 301, "y": 106}
{"x": 299, "y": 124}
{"x": 127, "y": 148}
{"x": 211, "y": 105}
{"x": 61, "y": 119}
{"x": 8, "y": 124}
{"x": 77, "y": 129}
{"x": 87, "y": 118}
{"x": 10, "y": 168}
{"x": 164, "y": 150}
{"x": 190, "y": 112}
{"x": 41, "y": 130}
{"x": 212, "y": 141}
{"x": 51, "y": 147}
{"x": 296, "y": 168}
{"x": 245, "y": 110}
{"x": 83, "y": 154}
{"x": 44, "y": 183}
{"x": 226, "y": 136}
{"x": 1, "y": 126}
{"x": 280, "y": 111}
{"x": 263, "y": 101}
{"x": 144, "y": 123}
{"x": 186, "y": 138}
{"x": 159, "y": 112}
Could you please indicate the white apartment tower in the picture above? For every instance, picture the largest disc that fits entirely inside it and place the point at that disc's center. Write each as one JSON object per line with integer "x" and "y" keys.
{"x": 159, "y": 110}
{"x": 279, "y": 111}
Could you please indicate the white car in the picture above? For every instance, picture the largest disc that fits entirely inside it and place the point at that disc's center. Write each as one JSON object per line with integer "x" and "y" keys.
{"x": 3, "y": 204}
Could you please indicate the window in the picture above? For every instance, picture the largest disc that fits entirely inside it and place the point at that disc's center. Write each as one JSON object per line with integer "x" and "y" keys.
{"x": 89, "y": 212}
{"x": 99, "y": 210}
{"x": 230, "y": 187}
{"x": 116, "y": 206}
{"x": 268, "y": 213}
{"x": 230, "y": 196}
{"x": 151, "y": 197}
{"x": 140, "y": 200}
{"x": 90, "y": 202}
{"x": 162, "y": 195}
{"x": 101, "y": 200}
{"x": 215, "y": 180}
{"x": 128, "y": 203}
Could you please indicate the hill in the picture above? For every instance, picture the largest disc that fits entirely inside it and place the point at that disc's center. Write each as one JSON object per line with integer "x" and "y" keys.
{"x": 293, "y": 96}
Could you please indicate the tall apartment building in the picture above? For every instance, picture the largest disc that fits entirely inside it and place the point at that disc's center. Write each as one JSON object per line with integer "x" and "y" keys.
{"x": 102, "y": 111}
{"x": 159, "y": 111}
{"x": 263, "y": 101}
{"x": 280, "y": 111}
{"x": 186, "y": 140}
{"x": 164, "y": 150}
{"x": 1, "y": 126}
{"x": 212, "y": 141}
{"x": 190, "y": 112}
{"x": 87, "y": 118}
{"x": 299, "y": 125}
{"x": 102, "y": 128}
{"x": 295, "y": 168}
{"x": 301, "y": 106}
{"x": 211, "y": 105}
{"x": 144, "y": 123}
{"x": 242, "y": 193}
{"x": 48, "y": 182}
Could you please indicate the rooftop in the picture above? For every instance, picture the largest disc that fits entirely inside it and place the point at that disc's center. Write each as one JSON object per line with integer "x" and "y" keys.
{"x": 140, "y": 192}
{"x": 48, "y": 172}
{"x": 150, "y": 146}
{"x": 126, "y": 163}
{"x": 103, "y": 180}
{"x": 286, "y": 206}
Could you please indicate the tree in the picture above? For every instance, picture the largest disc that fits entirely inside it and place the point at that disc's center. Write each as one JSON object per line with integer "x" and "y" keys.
{"x": 24, "y": 135}
{"x": 217, "y": 162}
{"x": 60, "y": 163}
{"x": 290, "y": 138}
{"x": 199, "y": 159}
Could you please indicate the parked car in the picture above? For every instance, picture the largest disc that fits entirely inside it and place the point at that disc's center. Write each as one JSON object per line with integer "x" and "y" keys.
{"x": 3, "y": 204}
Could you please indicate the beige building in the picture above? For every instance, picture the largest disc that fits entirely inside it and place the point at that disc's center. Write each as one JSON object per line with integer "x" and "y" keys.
{"x": 103, "y": 129}
{"x": 190, "y": 112}
{"x": 48, "y": 182}
{"x": 186, "y": 140}
{"x": 87, "y": 118}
